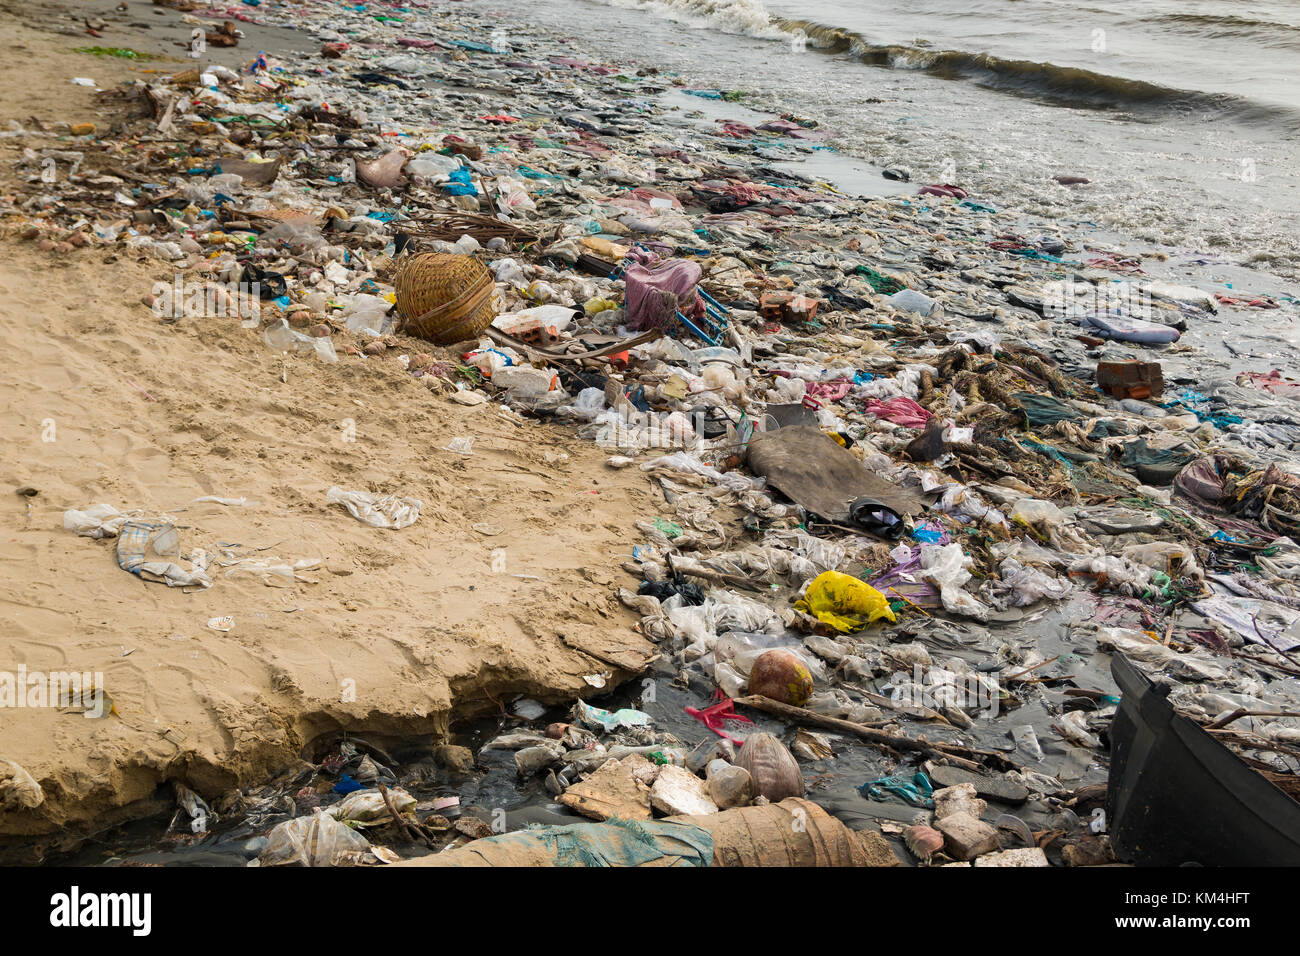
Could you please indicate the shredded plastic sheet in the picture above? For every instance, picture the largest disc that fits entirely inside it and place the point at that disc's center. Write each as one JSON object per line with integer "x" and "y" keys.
{"x": 1161, "y": 662}
{"x": 1021, "y": 586}
{"x": 945, "y": 566}
{"x": 606, "y": 721}
{"x": 387, "y": 511}
{"x": 97, "y": 521}
{"x": 316, "y": 840}
{"x": 366, "y": 808}
{"x": 273, "y": 570}
{"x": 143, "y": 548}
{"x": 844, "y": 602}
{"x": 684, "y": 461}
{"x": 1260, "y": 622}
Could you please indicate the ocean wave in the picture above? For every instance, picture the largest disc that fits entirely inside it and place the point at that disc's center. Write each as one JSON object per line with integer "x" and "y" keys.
{"x": 748, "y": 17}
{"x": 1228, "y": 26}
{"x": 1066, "y": 85}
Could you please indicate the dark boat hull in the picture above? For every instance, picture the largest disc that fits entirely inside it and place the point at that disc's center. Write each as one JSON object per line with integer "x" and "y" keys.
{"x": 1177, "y": 796}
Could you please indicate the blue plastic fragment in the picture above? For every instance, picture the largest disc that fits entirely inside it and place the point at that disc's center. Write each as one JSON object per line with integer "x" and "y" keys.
{"x": 347, "y": 785}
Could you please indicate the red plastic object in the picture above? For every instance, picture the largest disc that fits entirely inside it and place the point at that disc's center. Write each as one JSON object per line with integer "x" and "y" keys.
{"x": 714, "y": 717}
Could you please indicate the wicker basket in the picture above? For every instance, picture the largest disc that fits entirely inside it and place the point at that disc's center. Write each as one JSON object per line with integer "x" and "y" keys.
{"x": 445, "y": 298}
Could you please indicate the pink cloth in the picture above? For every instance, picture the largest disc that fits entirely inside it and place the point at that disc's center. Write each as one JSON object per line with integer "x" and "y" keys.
{"x": 1275, "y": 383}
{"x": 647, "y": 193}
{"x": 737, "y": 129}
{"x": 828, "y": 391}
{"x": 655, "y": 294}
{"x": 900, "y": 411}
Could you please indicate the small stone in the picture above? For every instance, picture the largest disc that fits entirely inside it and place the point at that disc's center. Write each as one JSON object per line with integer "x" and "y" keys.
{"x": 958, "y": 799}
{"x": 1027, "y": 856}
{"x": 730, "y": 786}
{"x": 966, "y": 837}
{"x": 1090, "y": 852}
{"x": 454, "y": 758}
{"x": 678, "y": 791}
{"x": 473, "y": 827}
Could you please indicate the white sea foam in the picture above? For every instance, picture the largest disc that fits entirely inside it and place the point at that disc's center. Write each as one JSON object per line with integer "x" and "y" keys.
{"x": 748, "y": 17}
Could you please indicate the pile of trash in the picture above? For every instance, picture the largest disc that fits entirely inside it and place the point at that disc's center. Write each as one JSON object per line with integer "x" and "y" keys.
{"x": 895, "y": 438}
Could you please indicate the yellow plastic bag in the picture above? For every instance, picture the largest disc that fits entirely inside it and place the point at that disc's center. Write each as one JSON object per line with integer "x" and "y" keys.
{"x": 844, "y": 602}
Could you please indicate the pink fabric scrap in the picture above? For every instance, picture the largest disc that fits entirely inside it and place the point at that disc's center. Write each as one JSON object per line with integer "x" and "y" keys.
{"x": 900, "y": 410}
{"x": 828, "y": 391}
{"x": 654, "y": 295}
{"x": 1275, "y": 383}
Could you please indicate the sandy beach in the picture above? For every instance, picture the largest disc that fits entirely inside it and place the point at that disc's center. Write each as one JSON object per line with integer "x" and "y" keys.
{"x": 1034, "y": 522}
{"x": 152, "y": 416}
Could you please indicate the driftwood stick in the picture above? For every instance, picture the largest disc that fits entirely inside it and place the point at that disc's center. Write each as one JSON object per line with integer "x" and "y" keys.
{"x": 870, "y": 734}
{"x": 411, "y": 833}
{"x": 1243, "y": 712}
{"x": 1028, "y": 670}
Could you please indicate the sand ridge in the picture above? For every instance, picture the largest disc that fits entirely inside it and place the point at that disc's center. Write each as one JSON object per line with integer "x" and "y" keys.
{"x": 414, "y": 623}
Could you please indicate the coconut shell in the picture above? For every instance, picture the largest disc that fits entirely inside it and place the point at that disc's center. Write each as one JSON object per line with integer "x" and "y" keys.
{"x": 923, "y": 841}
{"x": 775, "y": 772}
{"x": 386, "y": 171}
{"x": 780, "y": 675}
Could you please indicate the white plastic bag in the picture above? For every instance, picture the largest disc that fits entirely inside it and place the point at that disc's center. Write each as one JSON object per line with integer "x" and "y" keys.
{"x": 388, "y": 511}
{"x": 945, "y": 566}
{"x": 97, "y": 521}
{"x": 317, "y": 840}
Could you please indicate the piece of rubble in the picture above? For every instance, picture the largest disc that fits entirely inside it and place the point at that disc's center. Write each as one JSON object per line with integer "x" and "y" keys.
{"x": 966, "y": 837}
{"x": 615, "y": 790}
{"x": 678, "y": 791}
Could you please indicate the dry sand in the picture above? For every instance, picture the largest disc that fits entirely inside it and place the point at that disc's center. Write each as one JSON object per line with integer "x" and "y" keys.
{"x": 147, "y": 415}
